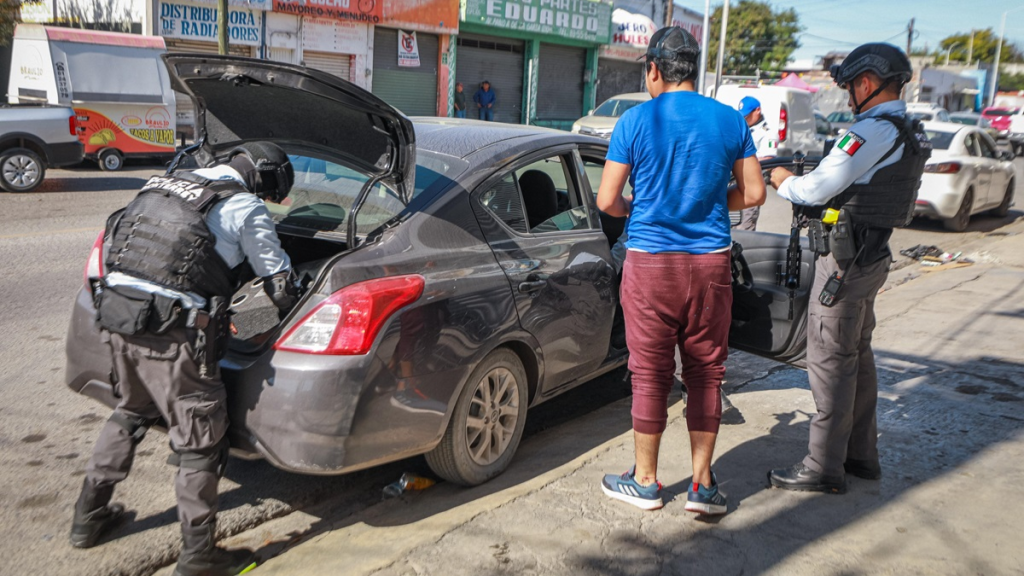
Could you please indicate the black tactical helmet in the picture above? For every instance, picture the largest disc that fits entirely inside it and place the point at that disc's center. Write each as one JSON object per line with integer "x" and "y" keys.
{"x": 274, "y": 172}
{"x": 885, "y": 60}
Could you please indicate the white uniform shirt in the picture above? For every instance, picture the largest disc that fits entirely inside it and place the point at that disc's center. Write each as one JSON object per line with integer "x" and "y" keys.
{"x": 764, "y": 141}
{"x": 243, "y": 229}
{"x": 853, "y": 159}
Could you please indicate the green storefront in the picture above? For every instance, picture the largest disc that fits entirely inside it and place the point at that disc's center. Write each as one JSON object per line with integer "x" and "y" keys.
{"x": 540, "y": 57}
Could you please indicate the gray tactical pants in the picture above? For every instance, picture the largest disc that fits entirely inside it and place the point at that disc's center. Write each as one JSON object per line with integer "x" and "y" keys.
{"x": 158, "y": 377}
{"x": 748, "y": 218}
{"x": 841, "y": 367}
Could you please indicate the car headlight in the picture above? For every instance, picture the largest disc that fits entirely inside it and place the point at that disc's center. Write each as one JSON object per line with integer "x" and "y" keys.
{"x": 576, "y": 128}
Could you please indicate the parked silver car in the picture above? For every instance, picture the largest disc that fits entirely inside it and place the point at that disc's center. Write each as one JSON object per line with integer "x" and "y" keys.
{"x": 458, "y": 272}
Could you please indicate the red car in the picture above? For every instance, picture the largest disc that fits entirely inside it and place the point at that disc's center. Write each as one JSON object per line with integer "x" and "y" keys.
{"x": 1000, "y": 119}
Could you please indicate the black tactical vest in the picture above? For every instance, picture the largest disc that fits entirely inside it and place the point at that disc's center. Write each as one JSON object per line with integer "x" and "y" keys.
{"x": 162, "y": 236}
{"x": 887, "y": 201}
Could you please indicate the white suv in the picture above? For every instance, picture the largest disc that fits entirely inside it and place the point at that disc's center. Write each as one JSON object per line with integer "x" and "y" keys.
{"x": 927, "y": 112}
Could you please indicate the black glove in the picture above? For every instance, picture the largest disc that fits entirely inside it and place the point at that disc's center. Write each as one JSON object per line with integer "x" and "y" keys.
{"x": 283, "y": 289}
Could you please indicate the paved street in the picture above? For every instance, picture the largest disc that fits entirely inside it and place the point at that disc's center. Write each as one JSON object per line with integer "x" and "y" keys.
{"x": 935, "y": 388}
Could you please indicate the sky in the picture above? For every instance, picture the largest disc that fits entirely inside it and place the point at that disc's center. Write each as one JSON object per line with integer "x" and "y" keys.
{"x": 842, "y": 25}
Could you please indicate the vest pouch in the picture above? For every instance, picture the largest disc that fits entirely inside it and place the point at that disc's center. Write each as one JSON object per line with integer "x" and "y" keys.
{"x": 165, "y": 314}
{"x": 125, "y": 310}
{"x": 842, "y": 240}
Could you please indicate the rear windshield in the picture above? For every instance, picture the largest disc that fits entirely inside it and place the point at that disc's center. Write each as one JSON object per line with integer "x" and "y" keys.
{"x": 940, "y": 140}
{"x": 923, "y": 116}
{"x": 325, "y": 191}
{"x": 1000, "y": 112}
{"x": 841, "y": 117}
{"x": 615, "y": 108}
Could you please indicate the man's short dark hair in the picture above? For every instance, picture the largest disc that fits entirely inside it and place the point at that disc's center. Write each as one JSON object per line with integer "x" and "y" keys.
{"x": 674, "y": 71}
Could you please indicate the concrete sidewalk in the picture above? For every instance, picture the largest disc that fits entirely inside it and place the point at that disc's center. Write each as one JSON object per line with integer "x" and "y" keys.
{"x": 950, "y": 351}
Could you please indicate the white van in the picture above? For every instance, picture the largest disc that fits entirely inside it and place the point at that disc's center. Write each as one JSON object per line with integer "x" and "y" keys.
{"x": 788, "y": 111}
{"x": 116, "y": 83}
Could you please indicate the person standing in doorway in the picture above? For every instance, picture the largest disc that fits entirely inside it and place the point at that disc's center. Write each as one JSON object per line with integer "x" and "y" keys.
{"x": 460, "y": 101}
{"x": 485, "y": 100}
{"x": 678, "y": 151}
{"x": 767, "y": 147}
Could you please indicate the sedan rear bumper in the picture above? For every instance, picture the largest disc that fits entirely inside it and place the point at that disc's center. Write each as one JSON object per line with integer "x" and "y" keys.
{"x": 940, "y": 196}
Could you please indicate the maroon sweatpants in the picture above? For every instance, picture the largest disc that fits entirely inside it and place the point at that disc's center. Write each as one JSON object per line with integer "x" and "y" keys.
{"x": 682, "y": 300}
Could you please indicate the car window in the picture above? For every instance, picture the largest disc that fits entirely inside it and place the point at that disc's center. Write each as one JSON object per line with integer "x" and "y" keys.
{"x": 593, "y": 167}
{"x": 841, "y": 117}
{"x": 615, "y": 108}
{"x": 922, "y": 116}
{"x": 1000, "y": 112}
{"x": 967, "y": 120}
{"x": 539, "y": 198}
{"x": 987, "y": 150}
{"x": 939, "y": 140}
{"x": 823, "y": 127}
{"x": 943, "y": 116}
{"x": 972, "y": 145}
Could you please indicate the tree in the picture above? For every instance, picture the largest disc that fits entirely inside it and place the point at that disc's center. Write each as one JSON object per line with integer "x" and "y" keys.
{"x": 757, "y": 37}
{"x": 985, "y": 42}
{"x": 10, "y": 15}
{"x": 1011, "y": 82}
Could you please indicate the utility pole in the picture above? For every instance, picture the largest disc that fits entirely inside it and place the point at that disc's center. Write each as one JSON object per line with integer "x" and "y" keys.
{"x": 721, "y": 46}
{"x": 705, "y": 38}
{"x": 222, "y": 27}
{"x": 910, "y": 35}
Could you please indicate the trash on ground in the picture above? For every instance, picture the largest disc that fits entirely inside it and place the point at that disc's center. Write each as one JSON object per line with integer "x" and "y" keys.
{"x": 408, "y": 481}
{"x": 950, "y": 265}
{"x": 920, "y": 251}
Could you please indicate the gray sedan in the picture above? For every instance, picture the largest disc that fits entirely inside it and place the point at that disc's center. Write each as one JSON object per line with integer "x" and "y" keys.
{"x": 457, "y": 273}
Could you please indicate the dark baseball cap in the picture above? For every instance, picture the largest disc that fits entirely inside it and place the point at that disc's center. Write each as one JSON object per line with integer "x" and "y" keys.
{"x": 672, "y": 43}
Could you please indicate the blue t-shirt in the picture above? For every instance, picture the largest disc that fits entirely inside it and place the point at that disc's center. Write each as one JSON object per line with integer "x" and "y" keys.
{"x": 681, "y": 148}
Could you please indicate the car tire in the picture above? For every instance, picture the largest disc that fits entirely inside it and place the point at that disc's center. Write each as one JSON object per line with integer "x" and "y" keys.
{"x": 21, "y": 170}
{"x": 494, "y": 399}
{"x": 960, "y": 220}
{"x": 110, "y": 160}
{"x": 1003, "y": 209}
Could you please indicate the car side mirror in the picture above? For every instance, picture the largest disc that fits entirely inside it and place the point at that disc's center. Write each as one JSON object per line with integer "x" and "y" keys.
{"x": 1006, "y": 155}
{"x": 591, "y": 112}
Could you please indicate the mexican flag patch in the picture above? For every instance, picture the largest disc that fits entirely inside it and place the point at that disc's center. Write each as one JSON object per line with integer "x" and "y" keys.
{"x": 850, "y": 143}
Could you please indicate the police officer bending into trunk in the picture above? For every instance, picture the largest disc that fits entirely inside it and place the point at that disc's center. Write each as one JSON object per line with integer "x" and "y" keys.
{"x": 869, "y": 183}
{"x": 171, "y": 268}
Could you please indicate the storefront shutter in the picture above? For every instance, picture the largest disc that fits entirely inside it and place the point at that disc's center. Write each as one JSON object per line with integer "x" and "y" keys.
{"x": 413, "y": 90}
{"x": 500, "y": 62}
{"x": 616, "y": 77}
{"x": 336, "y": 64}
{"x": 286, "y": 55}
{"x": 560, "y": 82}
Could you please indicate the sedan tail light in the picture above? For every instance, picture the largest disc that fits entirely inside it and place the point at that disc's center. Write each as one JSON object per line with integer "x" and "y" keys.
{"x": 348, "y": 321}
{"x": 943, "y": 168}
{"x": 783, "y": 123}
{"x": 94, "y": 266}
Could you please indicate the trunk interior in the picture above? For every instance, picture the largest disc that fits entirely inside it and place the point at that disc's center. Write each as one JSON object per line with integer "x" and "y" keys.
{"x": 254, "y": 315}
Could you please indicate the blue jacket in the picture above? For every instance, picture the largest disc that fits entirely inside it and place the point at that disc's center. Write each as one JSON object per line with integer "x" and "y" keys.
{"x": 484, "y": 98}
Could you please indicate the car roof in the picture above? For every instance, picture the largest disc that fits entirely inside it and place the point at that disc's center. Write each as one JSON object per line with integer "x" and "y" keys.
{"x": 923, "y": 106}
{"x": 964, "y": 115}
{"x": 631, "y": 96}
{"x": 947, "y": 126}
{"x": 462, "y": 138}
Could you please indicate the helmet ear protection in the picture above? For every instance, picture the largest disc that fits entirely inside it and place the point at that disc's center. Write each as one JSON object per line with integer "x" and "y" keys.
{"x": 274, "y": 172}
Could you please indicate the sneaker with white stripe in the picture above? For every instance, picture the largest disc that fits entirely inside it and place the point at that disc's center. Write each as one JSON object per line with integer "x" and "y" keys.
{"x": 627, "y": 489}
{"x": 706, "y": 501}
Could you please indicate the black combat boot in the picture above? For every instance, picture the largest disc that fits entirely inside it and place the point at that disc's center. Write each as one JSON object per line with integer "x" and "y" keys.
{"x": 200, "y": 557}
{"x": 94, "y": 515}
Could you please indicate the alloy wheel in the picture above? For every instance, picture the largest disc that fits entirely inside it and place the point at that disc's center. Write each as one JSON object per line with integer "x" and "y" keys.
{"x": 493, "y": 415}
{"x": 21, "y": 171}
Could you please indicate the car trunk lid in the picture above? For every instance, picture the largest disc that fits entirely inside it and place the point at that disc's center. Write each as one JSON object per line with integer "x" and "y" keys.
{"x": 240, "y": 100}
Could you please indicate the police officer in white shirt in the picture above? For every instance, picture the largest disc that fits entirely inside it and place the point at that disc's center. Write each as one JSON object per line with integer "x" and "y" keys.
{"x": 869, "y": 180}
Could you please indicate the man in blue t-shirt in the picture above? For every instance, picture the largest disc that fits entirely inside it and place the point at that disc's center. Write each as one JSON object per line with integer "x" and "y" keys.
{"x": 678, "y": 151}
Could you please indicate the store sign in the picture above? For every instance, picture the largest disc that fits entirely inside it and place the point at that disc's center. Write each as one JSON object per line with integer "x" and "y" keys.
{"x": 632, "y": 30}
{"x": 688, "y": 20}
{"x": 334, "y": 36}
{"x": 365, "y": 11}
{"x": 408, "y": 50}
{"x": 194, "y": 22}
{"x": 588, "y": 20}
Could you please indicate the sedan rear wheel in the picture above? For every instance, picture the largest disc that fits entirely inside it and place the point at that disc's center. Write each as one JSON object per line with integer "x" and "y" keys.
{"x": 960, "y": 220}
{"x": 1003, "y": 209}
{"x": 487, "y": 423}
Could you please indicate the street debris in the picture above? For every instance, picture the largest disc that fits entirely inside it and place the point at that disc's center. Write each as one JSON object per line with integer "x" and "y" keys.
{"x": 408, "y": 481}
{"x": 933, "y": 258}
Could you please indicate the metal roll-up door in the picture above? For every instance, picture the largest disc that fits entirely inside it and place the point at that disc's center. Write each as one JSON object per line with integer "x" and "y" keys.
{"x": 413, "y": 90}
{"x": 560, "y": 82}
{"x": 500, "y": 62}
{"x": 336, "y": 64}
{"x": 616, "y": 77}
{"x": 178, "y": 45}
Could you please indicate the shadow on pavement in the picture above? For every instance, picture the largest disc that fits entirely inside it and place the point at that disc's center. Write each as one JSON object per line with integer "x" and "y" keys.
{"x": 982, "y": 222}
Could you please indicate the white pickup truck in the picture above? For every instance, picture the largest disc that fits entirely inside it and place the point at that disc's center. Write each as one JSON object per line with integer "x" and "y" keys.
{"x": 33, "y": 138}
{"x": 1016, "y": 132}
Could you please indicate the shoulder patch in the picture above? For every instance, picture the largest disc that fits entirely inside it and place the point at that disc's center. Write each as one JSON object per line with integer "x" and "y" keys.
{"x": 850, "y": 143}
